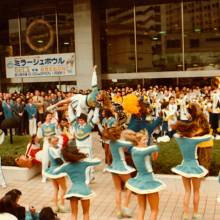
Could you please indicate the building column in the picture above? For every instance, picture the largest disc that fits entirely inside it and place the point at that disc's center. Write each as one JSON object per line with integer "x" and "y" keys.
{"x": 83, "y": 42}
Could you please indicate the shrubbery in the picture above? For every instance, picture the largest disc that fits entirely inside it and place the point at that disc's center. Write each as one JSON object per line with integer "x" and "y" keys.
{"x": 169, "y": 155}
{"x": 9, "y": 152}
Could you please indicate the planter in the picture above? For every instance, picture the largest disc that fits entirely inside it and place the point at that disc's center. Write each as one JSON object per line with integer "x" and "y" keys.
{"x": 13, "y": 174}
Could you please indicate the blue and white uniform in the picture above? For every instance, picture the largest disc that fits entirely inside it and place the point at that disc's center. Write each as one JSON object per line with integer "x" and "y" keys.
{"x": 77, "y": 174}
{"x": 119, "y": 165}
{"x": 141, "y": 124}
{"x": 46, "y": 130}
{"x": 83, "y": 136}
{"x": 190, "y": 166}
{"x": 144, "y": 182}
{"x": 81, "y": 103}
{"x": 54, "y": 154}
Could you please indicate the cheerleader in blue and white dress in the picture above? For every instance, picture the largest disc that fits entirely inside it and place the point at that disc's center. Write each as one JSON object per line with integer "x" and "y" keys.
{"x": 58, "y": 180}
{"x": 188, "y": 137}
{"x": 46, "y": 130}
{"x": 119, "y": 169}
{"x": 108, "y": 121}
{"x": 75, "y": 167}
{"x": 144, "y": 184}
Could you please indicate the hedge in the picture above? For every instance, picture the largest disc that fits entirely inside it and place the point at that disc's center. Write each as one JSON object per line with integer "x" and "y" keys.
{"x": 169, "y": 155}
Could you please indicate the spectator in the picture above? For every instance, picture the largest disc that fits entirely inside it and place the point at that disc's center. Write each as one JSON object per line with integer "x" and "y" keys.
{"x": 32, "y": 116}
{"x": 38, "y": 100}
{"x": 7, "y": 209}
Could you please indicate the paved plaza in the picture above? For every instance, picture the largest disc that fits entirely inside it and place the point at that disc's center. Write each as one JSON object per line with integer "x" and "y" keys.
{"x": 102, "y": 206}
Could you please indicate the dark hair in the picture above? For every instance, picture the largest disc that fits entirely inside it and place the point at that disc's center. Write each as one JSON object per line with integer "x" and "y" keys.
{"x": 83, "y": 117}
{"x": 71, "y": 153}
{"x": 32, "y": 138}
{"x": 47, "y": 213}
{"x": 7, "y": 205}
{"x": 19, "y": 211}
{"x": 48, "y": 113}
{"x": 14, "y": 194}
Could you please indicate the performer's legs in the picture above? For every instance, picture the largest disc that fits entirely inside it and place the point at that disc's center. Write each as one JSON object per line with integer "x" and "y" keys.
{"x": 187, "y": 187}
{"x": 196, "y": 182}
{"x": 117, "y": 183}
{"x": 85, "y": 207}
{"x": 63, "y": 187}
{"x": 125, "y": 178}
{"x": 74, "y": 208}
{"x": 55, "y": 196}
{"x": 45, "y": 158}
{"x": 153, "y": 199}
{"x": 142, "y": 205}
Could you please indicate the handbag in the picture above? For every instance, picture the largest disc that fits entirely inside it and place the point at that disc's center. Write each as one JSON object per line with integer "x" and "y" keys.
{"x": 24, "y": 161}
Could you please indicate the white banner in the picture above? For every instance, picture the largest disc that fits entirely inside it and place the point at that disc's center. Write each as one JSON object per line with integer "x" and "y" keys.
{"x": 40, "y": 65}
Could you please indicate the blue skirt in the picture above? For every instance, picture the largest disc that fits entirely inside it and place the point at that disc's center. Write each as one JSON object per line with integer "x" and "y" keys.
{"x": 190, "y": 169}
{"x": 145, "y": 184}
{"x": 49, "y": 172}
{"x": 81, "y": 191}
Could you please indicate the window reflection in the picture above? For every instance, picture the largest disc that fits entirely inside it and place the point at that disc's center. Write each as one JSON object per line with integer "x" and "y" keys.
{"x": 66, "y": 27}
{"x": 9, "y": 40}
{"x": 159, "y": 37}
{"x": 117, "y": 40}
{"x": 202, "y": 35}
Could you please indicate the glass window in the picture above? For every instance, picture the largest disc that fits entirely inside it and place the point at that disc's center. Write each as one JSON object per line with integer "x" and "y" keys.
{"x": 159, "y": 28}
{"x": 117, "y": 40}
{"x": 65, "y": 26}
{"x": 9, "y": 37}
{"x": 38, "y": 29}
{"x": 202, "y": 35}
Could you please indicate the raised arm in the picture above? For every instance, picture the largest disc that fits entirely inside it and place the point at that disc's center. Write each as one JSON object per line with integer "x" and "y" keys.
{"x": 200, "y": 139}
{"x": 71, "y": 115}
{"x": 145, "y": 151}
{"x": 125, "y": 144}
{"x": 95, "y": 118}
{"x": 93, "y": 162}
{"x": 94, "y": 77}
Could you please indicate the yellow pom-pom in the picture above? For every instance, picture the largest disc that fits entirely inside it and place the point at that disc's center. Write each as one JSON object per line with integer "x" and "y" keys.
{"x": 131, "y": 104}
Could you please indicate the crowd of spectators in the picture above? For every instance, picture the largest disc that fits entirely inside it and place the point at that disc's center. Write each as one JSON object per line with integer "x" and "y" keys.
{"x": 30, "y": 108}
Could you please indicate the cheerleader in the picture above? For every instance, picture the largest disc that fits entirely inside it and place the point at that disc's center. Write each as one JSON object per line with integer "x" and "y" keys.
{"x": 81, "y": 103}
{"x": 108, "y": 121}
{"x": 140, "y": 114}
{"x": 82, "y": 129}
{"x": 75, "y": 167}
{"x": 119, "y": 169}
{"x": 58, "y": 180}
{"x": 45, "y": 130}
{"x": 188, "y": 137}
{"x": 145, "y": 185}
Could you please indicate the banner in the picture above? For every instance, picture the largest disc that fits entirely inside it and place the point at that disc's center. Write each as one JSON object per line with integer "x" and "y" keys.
{"x": 40, "y": 65}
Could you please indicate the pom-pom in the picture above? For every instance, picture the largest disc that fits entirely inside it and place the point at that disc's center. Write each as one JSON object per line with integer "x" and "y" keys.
{"x": 131, "y": 104}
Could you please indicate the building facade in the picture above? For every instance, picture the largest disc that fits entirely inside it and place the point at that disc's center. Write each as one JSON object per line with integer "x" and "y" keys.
{"x": 131, "y": 41}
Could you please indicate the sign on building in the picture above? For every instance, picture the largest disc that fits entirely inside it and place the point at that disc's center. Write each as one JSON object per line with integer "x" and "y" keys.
{"x": 40, "y": 65}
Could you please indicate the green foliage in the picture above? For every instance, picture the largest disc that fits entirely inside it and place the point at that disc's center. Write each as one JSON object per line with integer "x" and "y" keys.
{"x": 9, "y": 152}
{"x": 170, "y": 156}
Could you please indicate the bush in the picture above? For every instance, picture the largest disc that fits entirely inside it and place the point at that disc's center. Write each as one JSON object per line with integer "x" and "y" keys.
{"x": 170, "y": 156}
{"x": 9, "y": 152}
